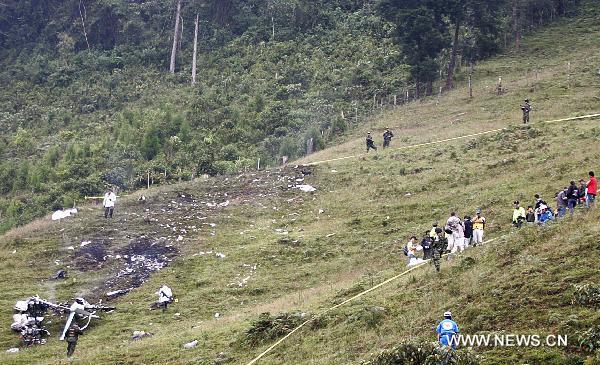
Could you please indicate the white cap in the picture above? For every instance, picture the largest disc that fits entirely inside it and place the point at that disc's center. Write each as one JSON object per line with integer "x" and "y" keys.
{"x": 447, "y": 314}
{"x": 543, "y": 207}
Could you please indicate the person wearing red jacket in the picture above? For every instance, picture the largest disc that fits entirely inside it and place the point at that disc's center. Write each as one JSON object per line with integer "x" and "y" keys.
{"x": 592, "y": 190}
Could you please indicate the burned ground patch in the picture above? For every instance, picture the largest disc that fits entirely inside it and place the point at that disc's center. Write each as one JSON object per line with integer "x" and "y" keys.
{"x": 92, "y": 256}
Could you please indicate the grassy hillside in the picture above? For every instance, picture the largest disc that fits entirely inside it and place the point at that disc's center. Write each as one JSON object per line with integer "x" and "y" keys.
{"x": 287, "y": 250}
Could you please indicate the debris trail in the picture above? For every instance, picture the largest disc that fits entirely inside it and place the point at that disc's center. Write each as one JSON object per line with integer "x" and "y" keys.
{"x": 255, "y": 360}
{"x": 589, "y": 116}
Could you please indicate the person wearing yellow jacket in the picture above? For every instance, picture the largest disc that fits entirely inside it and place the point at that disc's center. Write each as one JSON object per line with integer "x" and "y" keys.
{"x": 478, "y": 227}
{"x": 518, "y": 215}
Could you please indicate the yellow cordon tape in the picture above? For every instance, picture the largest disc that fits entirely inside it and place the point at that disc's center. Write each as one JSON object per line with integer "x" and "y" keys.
{"x": 455, "y": 138}
{"x": 350, "y": 300}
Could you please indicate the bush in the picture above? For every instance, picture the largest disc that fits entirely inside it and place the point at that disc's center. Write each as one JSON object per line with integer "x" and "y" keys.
{"x": 587, "y": 295}
{"x": 590, "y": 340}
{"x": 268, "y": 327}
{"x": 422, "y": 354}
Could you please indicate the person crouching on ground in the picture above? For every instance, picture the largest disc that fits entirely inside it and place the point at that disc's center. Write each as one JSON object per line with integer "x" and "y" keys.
{"x": 545, "y": 215}
{"x": 518, "y": 215}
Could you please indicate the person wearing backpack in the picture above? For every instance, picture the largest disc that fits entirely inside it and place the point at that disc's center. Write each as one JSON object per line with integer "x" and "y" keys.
{"x": 572, "y": 197}
{"x": 426, "y": 244}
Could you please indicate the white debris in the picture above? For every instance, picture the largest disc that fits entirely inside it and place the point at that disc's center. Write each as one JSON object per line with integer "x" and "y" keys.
{"x": 85, "y": 243}
{"x": 190, "y": 345}
{"x": 217, "y": 315}
{"x": 60, "y": 214}
{"x": 220, "y": 255}
{"x": 224, "y": 204}
{"x": 321, "y": 211}
{"x": 306, "y": 188}
{"x": 330, "y": 235}
{"x": 334, "y": 171}
{"x": 407, "y": 194}
{"x": 179, "y": 238}
{"x": 138, "y": 335}
{"x": 14, "y": 251}
{"x": 13, "y": 350}
{"x": 70, "y": 248}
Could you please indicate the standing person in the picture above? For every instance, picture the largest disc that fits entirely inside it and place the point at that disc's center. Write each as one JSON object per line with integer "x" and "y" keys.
{"x": 526, "y": 108}
{"x": 109, "y": 203}
{"x": 72, "y": 336}
{"x": 478, "y": 227}
{"x": 426, "y": 244}
{"x": 456, "y": 240}
{"x": 572, "y": 196}
{"x": 592, "y": 190}
{"x": 468, "y": 230}
{"x": 370, "y": 143}
{"x": 387, "y": 137}
{"x": 582, "y": 191}
{"x": 446, "y": 330}
{"x": 438, "y": 246}
{"x": 518, "y": 215}
{"x": 432, "y": 233}
{"x": 561, "y": 202}
{"x": 165, "y": 297}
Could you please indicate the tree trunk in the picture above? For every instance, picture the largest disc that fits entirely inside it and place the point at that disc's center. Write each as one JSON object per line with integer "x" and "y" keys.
{"x": 452, "y": 64}
{"x": 195, "y": 51}
{"x": 516, "y": 30}
{"x": 175, "y": 37}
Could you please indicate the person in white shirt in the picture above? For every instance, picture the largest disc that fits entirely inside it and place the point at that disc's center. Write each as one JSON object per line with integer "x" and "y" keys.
{"x": 165, "y": 297}
{"x": 109, "y": 203}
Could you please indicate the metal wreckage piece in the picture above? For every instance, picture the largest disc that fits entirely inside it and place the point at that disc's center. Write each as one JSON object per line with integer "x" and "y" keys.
{"x": 29, "y": 315}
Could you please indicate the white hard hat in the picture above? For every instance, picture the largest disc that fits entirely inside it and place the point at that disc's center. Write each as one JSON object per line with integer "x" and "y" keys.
{"x": 543, "y": 207}
{"x": 447, "y": 314}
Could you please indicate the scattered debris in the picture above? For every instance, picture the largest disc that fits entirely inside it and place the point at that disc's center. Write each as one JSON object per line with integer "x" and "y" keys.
{"x": 330, "y": 235}
{"x": 306, "y": 188}
{"x": 138, "y": 335}
{"x": 60, "y": 214}
{"x": 60, "y": 274}
{"x": 117, "y": 293}
{"x": 190, "y": 345}
{"x": 13, "y": 350}
{"x": 220, "y": 255}
{"x": 408, "y": 194}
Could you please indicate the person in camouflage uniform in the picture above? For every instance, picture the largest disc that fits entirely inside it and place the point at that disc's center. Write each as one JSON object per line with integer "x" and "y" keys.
{"x": 438, "y": 245}
{"x": 526, "y": 108}
{"x": 72, "y": 336}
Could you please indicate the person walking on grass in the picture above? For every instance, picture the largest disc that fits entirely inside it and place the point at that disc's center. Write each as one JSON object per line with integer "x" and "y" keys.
{"x": 468, "y": 230}
{"x": 456, "y": 240}
{"x": 561, "y": 202}
{"x": 478, "y": 227}
{"x": 526, "y": 108}
{"x": 72, "y": 336}
{"x": 370, "y": 143}
{"x": 438, "y": 246}
{"x": 592, "y": 189}
{"x": 518, "y": 215}
{"x": 109, "y": 203}
{"x": 387, "y": 137}
{"x": 572, "y": 196}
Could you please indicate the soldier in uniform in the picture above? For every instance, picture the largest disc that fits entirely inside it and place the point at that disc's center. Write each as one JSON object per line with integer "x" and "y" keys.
{"x": 387, "y": 137}
{"x": 72, "y": 336}
{"x": 370, "y": 143}
{"x": 438, "y": 246}
{"x": 526, "y": 108}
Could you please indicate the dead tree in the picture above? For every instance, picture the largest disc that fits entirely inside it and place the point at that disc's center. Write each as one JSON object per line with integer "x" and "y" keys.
{"x": 175, "y": 37}
{"x": 195, "y": 51}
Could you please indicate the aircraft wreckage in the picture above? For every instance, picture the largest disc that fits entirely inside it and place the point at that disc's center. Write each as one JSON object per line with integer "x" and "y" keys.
{"x": 29, "y": 315}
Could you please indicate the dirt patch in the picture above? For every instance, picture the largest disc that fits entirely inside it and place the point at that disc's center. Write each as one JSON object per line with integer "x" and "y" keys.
{"x": 92, "y": 256}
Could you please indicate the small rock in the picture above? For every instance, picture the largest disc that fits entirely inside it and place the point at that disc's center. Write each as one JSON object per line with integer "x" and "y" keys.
{"x": 190, "y": 345}
{"x": 138, "y": 335}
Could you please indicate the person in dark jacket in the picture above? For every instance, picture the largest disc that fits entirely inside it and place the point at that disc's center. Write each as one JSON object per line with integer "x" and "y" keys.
{"x": 370, "y": 143}
{"x": 572, "y": 196}
{"x": 468, "y": 230}
{"x": 530, "y": 215}
{"x": 426, "y": 244}
{"x": 387, "y": 137}
{"x": 72, "y": 336}
{"x": 582, "y": 188}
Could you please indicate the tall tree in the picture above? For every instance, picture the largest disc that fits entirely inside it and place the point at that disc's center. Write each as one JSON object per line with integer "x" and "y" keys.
{"x": 195, "y": 50}
{"x": 175, "y": 37}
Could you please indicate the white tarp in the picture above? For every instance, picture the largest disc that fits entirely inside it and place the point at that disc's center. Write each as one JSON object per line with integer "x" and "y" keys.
{"x": 60, "y": 214}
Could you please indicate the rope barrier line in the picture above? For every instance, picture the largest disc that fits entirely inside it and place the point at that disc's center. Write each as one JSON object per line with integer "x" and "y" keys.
{"x": 456, "y": 138}
{"x": 253, "y": 361}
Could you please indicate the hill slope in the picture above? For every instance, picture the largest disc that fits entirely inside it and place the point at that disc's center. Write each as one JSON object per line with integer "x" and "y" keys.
{"x": 287, "y": 250}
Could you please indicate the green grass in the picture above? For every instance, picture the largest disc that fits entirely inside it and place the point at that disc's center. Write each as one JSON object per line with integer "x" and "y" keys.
{"x": 521, "y": 283}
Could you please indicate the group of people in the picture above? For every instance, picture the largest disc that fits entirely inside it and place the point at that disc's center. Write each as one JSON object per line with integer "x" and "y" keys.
{"x": 387, "y": 138}
{"x": 456, "y": 235}
{"x": 568, "y": 198}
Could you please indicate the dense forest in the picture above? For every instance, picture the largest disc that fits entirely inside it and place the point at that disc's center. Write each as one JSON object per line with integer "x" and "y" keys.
{"x": 105, "y": 92}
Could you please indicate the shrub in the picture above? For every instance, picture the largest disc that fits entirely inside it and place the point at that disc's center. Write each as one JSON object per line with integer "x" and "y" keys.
{"x": 268, "y": 327}
{"x": 422, "y": 354}
{"x": 587, "y": 295}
